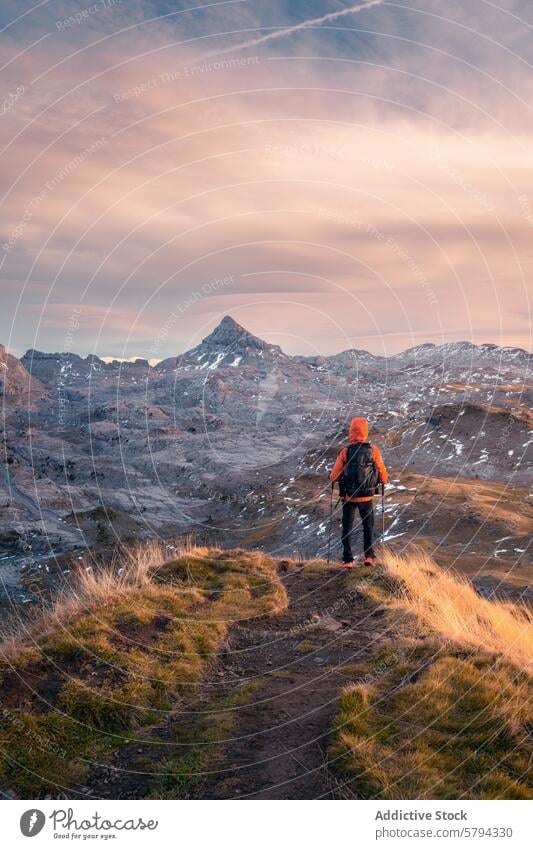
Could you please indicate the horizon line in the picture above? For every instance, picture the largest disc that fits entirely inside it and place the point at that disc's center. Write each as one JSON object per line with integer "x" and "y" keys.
{"x": 154, "y": 361}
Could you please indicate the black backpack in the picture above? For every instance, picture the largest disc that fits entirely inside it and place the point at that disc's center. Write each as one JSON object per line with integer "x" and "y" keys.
{"x": 360, "y": 477}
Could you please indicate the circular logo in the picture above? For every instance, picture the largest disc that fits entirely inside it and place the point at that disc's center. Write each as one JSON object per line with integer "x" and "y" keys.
{"x": 32, "y": 822}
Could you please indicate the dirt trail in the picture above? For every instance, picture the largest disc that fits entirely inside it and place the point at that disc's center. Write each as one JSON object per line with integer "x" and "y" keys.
{"x": 275, "y": 746}
{"x": 279, "y": 739}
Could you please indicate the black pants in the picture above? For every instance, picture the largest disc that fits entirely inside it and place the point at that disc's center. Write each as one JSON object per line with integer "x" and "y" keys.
{"x": 366, "y": 511}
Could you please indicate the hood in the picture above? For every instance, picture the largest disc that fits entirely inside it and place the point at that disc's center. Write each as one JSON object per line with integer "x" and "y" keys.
{"x": 358, "y": 430}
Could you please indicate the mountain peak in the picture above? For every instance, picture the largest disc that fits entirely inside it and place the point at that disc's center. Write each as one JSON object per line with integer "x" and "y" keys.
{"x": 15, "y": 380}
{"x": 229, "y": 322}
{"x": 229, "y": 334}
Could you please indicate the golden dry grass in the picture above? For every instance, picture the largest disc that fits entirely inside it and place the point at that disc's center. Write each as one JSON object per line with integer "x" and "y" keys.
{"x": 448, "y": 604}
{"x": 449, "y": 715}
{"x": 94, "y": 585}
{"x": 453, "y": 728}
{"x": 125, "y": 647}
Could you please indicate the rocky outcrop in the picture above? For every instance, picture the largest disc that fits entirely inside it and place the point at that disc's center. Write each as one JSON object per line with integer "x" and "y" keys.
{"x": 228, "y": 346}
{"x": 215, "y": 437}
{"x": 16, "y": 384}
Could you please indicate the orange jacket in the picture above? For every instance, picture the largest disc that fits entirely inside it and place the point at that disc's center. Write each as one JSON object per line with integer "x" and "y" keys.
{"x": 359, "y": 433}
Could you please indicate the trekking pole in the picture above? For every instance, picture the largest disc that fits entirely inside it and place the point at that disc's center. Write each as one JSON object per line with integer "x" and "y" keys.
{"x": 330, "y": 519}
{"x": 382, "y": 520}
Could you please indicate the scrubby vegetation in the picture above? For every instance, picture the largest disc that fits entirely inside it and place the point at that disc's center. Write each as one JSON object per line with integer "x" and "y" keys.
{"x": 116, "y": 678}
{"x": 449, "y": 605}
{"x": 124, "y": 647}
{"x": 445, "y": 710}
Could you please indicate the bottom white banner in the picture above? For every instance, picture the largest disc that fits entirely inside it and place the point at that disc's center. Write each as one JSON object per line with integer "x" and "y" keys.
{"x": 256, "y": 825}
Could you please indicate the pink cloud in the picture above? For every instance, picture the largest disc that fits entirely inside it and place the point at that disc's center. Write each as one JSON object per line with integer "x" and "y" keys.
{"x": 386, "y": 217}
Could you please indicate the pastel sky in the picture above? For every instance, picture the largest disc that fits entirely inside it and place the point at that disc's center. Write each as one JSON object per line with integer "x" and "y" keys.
{"x": 361, "y": 181}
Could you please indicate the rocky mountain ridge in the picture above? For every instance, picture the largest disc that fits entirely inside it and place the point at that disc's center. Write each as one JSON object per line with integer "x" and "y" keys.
{"x": 233, "y": 440}
{"x": 231, "y": 345}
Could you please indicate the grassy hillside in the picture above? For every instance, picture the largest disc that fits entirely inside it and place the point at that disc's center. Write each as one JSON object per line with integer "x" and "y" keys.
{"x": 128, "y": 645}
{"x": 444, "y": 710}
{"x": 118, "y": 677}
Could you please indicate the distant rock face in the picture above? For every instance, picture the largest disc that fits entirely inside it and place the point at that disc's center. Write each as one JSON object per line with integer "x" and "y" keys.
{"x": 70, "y": 370}
{"x": 15, "y": 381}
{"x": 472, "y": 440}
{"x": 228, "y": 334}
{"x": 49, "y": 367}
{"x": 352, "y": 362}
{"x": 462, "y": 353}
{"x": 235, "y": 432}
{"x": 229, "y": 344}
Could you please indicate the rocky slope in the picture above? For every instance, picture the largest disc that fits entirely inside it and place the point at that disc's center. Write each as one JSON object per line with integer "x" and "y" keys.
{"x": 16, "y": 384}
{"x": 233, "y": 440}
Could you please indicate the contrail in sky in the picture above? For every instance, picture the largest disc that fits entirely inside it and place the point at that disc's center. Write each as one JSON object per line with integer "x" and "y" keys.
{"x": 279, "y": 33}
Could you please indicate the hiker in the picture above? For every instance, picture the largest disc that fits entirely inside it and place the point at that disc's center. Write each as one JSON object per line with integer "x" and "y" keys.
{"x": 359, "y": 468}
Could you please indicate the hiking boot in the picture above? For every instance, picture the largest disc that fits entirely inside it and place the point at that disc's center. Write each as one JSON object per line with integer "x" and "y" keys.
{"x": 348, "y": 565}
{"x": 369, "y": 561}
